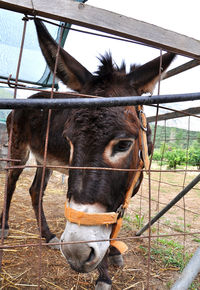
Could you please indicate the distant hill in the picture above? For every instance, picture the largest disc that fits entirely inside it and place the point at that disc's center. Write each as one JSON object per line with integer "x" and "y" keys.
{"x": 175, "y": 136}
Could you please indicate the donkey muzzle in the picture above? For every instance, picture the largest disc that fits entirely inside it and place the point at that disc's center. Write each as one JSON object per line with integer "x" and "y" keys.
{"x": 83, "y": 246}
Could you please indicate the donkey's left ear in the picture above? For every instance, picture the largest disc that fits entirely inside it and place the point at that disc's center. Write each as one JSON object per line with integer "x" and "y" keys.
{"x": 145, "y": 77}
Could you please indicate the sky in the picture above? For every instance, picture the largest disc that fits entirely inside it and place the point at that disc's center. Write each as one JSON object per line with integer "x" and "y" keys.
{"x": 167, "y": 14}
{"x": 179, "y": 16}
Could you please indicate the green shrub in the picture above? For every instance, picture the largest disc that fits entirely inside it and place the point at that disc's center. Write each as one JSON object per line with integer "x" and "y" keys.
{"x": 157, "y": 155}
{"x": 175, "y": 157}
{"x": 194, "y": 157}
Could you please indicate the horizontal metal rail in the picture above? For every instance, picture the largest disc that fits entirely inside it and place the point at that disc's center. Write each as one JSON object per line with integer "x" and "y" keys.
{"x": 95, "y": 102}
{"x": 182, "y": 68}
{"x": 32, "y": 83}
{"x": 176, "y": 114}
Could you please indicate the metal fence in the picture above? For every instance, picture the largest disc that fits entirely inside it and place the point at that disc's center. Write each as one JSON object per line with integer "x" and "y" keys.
{"x": 154, "y": 259}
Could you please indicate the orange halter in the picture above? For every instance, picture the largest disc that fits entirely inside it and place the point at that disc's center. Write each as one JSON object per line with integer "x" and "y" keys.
{"x": 115, "y": 218}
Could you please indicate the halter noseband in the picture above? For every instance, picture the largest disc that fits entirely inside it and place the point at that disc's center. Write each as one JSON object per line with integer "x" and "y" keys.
{"x": 115, "y": 218}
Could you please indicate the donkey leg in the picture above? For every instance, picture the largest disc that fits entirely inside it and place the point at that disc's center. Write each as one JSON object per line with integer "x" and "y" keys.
{"x": 35, "y": 194}
{"x": 20, "y": 151}
{"x": 13, "y": 176}
{"x": 115, "y": 257}
{"x": 103, "y": 282}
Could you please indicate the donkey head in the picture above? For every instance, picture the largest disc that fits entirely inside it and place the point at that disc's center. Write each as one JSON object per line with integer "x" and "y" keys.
{"x": 101, "y": 137}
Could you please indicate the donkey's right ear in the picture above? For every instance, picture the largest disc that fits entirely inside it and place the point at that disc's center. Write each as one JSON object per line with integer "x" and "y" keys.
{"x": 69, "y": 70}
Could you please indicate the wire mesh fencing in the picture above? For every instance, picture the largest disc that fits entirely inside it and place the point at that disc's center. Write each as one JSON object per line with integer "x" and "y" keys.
{"x": 154, "y": 259}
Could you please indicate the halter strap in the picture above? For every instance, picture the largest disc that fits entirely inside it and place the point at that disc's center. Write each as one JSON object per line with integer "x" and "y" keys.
{"x": 89, "y": 219}
{"x": 121, "y": 246}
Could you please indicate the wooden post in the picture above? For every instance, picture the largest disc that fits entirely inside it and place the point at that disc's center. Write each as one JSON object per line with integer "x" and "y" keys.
{"x": 109, "y": 22}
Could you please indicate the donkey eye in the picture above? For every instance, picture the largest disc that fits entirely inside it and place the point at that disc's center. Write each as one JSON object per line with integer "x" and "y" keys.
{"x": 122, "y": 146}
{"x": 117, "y": 151}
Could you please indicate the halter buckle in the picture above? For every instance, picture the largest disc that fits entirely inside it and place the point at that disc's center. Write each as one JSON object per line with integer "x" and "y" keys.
{"x": 141, "y": 121}
{"x": 120, "y": 211}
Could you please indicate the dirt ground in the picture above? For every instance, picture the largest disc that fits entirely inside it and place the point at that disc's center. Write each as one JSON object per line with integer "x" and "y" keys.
{"x": 30, "y": 267}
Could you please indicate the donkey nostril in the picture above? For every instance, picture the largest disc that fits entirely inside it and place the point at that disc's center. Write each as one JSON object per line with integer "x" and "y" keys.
{"x": 91, "y": 256}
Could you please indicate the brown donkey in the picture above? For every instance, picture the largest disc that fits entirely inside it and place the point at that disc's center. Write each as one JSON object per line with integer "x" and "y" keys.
{"x": 100, "y": 137}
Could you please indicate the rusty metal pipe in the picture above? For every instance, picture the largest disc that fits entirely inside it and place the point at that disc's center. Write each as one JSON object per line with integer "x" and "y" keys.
{"x": 189, "y": 273}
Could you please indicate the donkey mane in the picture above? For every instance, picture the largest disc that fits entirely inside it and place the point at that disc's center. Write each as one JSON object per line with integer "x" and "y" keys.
{"x": 110, "y": 80}
{"x": 109, "y": 68}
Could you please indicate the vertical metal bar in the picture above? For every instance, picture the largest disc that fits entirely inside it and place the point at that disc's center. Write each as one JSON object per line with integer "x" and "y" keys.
{"x": 149, "y": 178}
{"x": 158, "y": 196}
{"x": 149, "y": 233}
{"x": 45, "y": 159}
{"x": 140, "y": 212}
{"x": 10, "y": 139}
{"x": 157, "y": 110}
{"x": 184, "y": 181}
{"x": 159, "y": 181}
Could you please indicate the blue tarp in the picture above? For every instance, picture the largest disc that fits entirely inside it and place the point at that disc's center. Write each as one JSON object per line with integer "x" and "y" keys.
{"x": 33, "y": 63}
{"x": 33, "y": 67}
